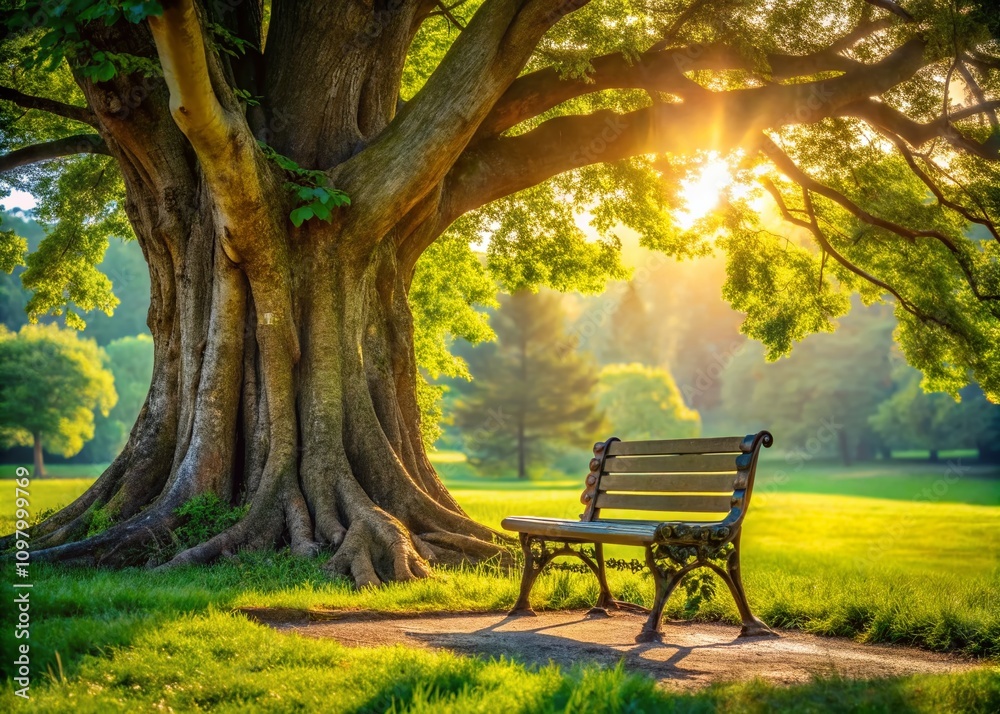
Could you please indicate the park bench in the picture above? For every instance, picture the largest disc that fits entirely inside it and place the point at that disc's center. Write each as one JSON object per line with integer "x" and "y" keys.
{"x": 680, "y": 476}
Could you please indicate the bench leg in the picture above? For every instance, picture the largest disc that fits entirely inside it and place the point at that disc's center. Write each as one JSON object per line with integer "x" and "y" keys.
{"x": 665, "y": 584}
{"x": 752, "y": 627}
{"x": 532, "y": 568}
{"x": 605, "y": 600}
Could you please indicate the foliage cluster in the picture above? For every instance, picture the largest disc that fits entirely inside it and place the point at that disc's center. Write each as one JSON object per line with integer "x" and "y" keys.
{"x": 203, "y": 517}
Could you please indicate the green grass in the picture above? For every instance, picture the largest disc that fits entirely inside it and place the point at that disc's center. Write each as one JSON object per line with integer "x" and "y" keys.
{"x": 943, "y": 455}
{"x": 924, "y": 571}
{"x": 53, "y": 471}
{"x": 216, "y": 661}
{"x": 44, "y": 495}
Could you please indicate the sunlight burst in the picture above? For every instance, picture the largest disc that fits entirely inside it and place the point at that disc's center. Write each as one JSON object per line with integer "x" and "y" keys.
{"x": 702, "y": 189}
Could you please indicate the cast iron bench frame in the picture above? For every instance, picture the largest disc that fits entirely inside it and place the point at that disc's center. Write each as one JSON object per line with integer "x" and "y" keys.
{"x": 674, "y": 475}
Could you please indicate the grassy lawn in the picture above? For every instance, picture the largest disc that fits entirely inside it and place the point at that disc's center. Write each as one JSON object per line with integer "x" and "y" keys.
{"x": 58, "y": 471}
{"x": 873, "y": 553}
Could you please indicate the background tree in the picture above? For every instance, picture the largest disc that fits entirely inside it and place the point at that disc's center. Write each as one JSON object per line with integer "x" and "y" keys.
{"x": 130, "y": 360}
{"x": 641, "y": 402}
{"x": 230, "y": 140}
{"x": 631, "y": 335}
{"x": 443, "y": 297}
{"x": 51, "y": 381}
{"x": 913, "y": 419}
{"x": 989, "y": 437}
{"x": 824, "y": 392}
{"x": 528, "y": 391}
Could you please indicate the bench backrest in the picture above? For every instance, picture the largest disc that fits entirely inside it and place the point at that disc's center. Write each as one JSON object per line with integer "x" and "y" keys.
{"x": 699, "y": 476}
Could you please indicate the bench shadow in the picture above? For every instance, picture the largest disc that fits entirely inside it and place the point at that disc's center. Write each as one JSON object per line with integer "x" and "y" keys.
{"x": 538, "y": 646}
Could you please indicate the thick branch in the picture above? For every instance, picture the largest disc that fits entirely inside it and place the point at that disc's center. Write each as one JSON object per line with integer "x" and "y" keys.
{"x": 67, "y": 146}
{"x": 866, "y": 28}
{"x": 893, "y": 7}
{"x": 660, "y": 71}
{"x": 887, "y": 119}
{"x": 417, "y": 149}
{"x": 196, "y": 109}
{"x": 232, "y": 163}
{"x": 709, "y": 120}
{"x": 69, "y": 111}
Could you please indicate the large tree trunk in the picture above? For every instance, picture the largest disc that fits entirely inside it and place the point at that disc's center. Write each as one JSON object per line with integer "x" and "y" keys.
{"x": 39, "y": 470}
{"x": 305, "y": 411}
{"x": 284, "y": 374}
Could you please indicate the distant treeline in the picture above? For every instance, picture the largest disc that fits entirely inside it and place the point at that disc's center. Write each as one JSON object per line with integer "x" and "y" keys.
{"x": 846, "y": 395}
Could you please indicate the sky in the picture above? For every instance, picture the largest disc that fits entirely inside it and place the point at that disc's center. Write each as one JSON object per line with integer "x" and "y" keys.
{"x": 18, "y": 200}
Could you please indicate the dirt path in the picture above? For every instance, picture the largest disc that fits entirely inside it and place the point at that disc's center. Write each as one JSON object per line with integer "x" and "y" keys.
{"x": 692, "y": 654}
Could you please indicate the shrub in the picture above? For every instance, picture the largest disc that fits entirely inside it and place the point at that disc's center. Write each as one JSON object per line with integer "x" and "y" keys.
{"x": 203, "y": 517}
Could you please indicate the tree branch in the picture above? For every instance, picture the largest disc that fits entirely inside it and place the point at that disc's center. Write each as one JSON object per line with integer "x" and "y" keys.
{"x": 446, "y": 12}
{"x": 977, "y": 92}
{"x": 52, "y": 106}
{"x": 67, "y": 146}
{"x": 193, "y": 103}
{"x": 812, "y": 225}
{"x": 864, "y": 29}
{"x": 785, "y": 164}
{"x": 417, "y": 149}
{"x": 497, "y": 167}
{"x": 887, "y": 119}
{"x": 251, "y": 223}
{"x": 893, "y": 7}
{"x": 936, "y": 190}
{"x": 670, "y": 32}
{"x": 661, "y": 71}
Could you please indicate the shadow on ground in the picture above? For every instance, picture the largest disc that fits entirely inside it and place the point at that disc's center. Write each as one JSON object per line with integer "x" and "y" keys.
{"x": 692, "y": 655}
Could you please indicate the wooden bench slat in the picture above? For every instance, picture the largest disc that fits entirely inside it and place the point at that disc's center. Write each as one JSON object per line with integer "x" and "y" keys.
{"x": 611, "y": 531}
{"x": 670, "y": 483}
{"x": 715, "y": 445}
{"x": 672, "y": 464}
{"x": 633, "y": 502}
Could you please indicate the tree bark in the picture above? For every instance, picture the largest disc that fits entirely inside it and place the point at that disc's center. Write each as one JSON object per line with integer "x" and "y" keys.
{"x": 39, "y": 471}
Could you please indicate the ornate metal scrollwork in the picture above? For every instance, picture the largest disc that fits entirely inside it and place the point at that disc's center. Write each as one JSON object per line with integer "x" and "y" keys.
{"x": 543, "y": 551}
{"x": 670, "y": 559}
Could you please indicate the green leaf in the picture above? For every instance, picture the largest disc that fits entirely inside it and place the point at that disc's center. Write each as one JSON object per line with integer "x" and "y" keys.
{"x": 300, "y": 215}
{"x": 322, "y": 212}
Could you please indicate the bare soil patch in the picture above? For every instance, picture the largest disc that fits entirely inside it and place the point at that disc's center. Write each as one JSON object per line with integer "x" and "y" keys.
{"x": 691, "y": 655}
